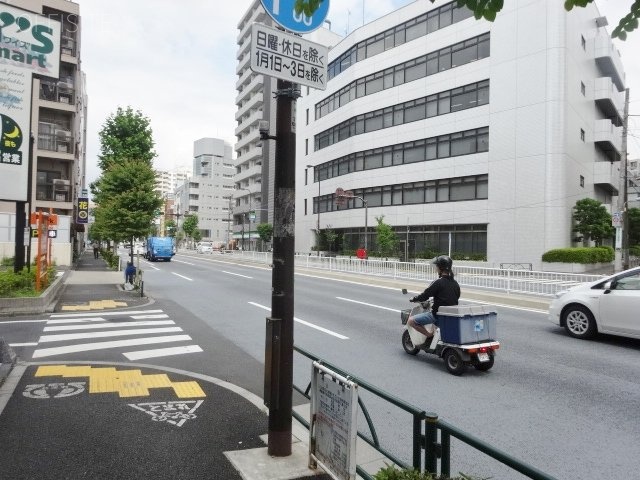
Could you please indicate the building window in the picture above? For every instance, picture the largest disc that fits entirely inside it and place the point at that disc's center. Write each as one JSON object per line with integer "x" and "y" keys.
{"x": 412, "y": 29}
{"x": 581, "y": 181}
{"x": 305, "y": 206}
{"x": 583, "y": 89}
{"x": 453, "y": 56}
{"x": 582, "y": 134}
{"x": 462, "y": 98}
{"x": 306, "y": 146}
{"x": 307, "y": 116}
{"x": 583, "y": 42}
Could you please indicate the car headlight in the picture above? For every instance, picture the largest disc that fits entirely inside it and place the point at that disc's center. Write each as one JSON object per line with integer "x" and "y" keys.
{"x": 561, "y": 293}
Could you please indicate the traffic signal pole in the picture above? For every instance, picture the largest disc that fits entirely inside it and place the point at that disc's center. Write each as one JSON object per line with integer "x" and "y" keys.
{"x": 279, "y": 328}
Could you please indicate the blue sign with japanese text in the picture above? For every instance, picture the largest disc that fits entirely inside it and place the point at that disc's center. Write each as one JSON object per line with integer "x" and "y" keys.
{"x": 284, "y": 14}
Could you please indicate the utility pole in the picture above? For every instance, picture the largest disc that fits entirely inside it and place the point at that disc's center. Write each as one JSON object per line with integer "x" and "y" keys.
{"x": 625, "y": 186}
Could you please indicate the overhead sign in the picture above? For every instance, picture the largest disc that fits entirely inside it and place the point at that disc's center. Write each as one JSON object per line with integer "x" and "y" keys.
{"x": 284, "y": 14}
{"x": 83, "y": 210}
{"x": 616, "y": 219}
{"x": 288, "y": 57}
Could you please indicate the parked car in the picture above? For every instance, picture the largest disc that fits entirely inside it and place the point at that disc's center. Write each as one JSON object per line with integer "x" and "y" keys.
{"x": 204, "y": 247}
{"x": 139, "y": 248}
{"x": 609, "y": 305}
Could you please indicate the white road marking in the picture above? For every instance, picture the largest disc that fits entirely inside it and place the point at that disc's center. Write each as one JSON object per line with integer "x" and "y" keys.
{"x": 76, "y": 320}
{"x": 162, "y": 352}
{"x": 311, "y": 325}
{"x": 86, "y": 347}
{"x": 117, "y": 333}
{"x": 26, "y": 344}
{"x": 149, "y": 264}
{"x": 369, "y": 304}
{"x": 95, "y": 326}
{"x": 236, "y": 274}
{"x": 23, "y": 321}
{"x": 99, "y": 314}
{"x": 180, "y": 261}
{"x": 142, "y": 317}
{"x": 182, "y": 276}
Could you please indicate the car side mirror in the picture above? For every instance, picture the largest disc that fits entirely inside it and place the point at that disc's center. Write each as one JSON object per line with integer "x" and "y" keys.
{"x": 607, "y": 287}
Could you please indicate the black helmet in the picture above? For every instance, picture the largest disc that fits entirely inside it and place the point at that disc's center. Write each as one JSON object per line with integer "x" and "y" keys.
{"x": 443, "y": 262}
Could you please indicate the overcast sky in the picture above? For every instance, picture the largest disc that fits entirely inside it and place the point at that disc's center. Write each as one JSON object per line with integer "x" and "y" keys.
{"x": 176, "y": 61}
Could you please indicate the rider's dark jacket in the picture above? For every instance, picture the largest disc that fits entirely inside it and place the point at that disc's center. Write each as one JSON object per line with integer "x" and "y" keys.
{"x": 445, "y": 292}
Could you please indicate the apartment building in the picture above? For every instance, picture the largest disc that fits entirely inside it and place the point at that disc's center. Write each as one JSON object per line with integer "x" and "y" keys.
{"x": 168, "y": 180}
{"x": 468, "y": 137}
{"x": 58, "y": 122}
{"x": 255, "y": 159}
{"x": 208, "y": 192}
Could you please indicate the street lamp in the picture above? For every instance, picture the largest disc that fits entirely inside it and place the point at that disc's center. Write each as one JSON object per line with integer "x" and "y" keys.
{"x": 366, "y": 215}
{"x": 318, "y": 220}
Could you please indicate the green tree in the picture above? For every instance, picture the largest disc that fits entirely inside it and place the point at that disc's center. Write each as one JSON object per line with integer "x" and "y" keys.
{"x": 634, "y": 226}
{"x": 265, "y": 231}
{"x": 592, "y": 221}
{"x": 330, "y": 237}
{"x": 126, "y": 135}
{"x": 386, "y": 238}
{"x": 170, "y": 228}
{"x": 190, "y": 225}
{"x": 488, "y": 10}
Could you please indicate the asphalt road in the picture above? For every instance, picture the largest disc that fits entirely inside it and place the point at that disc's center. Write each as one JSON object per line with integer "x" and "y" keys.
{"x": 566, "y": 406}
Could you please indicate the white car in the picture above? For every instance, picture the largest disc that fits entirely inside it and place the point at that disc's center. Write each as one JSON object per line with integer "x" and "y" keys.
{"x": 609, "y": 305}
{"x": 204, "y": 247}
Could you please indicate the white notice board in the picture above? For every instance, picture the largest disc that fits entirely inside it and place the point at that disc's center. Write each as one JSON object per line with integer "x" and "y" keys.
{"x": 334, "y": 415}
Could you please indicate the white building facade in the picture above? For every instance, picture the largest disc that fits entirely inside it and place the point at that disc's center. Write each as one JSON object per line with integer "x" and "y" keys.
{"x": 469, "y": 137}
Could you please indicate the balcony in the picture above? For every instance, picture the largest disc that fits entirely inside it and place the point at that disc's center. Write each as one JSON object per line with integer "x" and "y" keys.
{"x": 250, "y": 172}
{"x": 55, "y": 190}
{"x": 608, "y": 138}
{"x": 606, "y": 175}
{"x": 609, "y": 99}
{"x": 68, "y": 46}
{"x": 243, "y": 62}
{"x": 256, "y": 85}
{"x": 257, "y": 16}
{"x": 254, "y": 102}
{"x": 608, "y": 60}
{"x": 60, "y": 141}
{"x": 60, "y": 92}
{"x": 252, "y": 119}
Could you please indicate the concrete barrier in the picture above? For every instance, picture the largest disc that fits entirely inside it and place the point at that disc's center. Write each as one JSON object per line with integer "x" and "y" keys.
{"x": 34, "y": 305}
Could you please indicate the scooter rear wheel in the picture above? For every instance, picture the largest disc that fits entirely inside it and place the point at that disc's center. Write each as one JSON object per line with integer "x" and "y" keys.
{"x": 408, "y": 345}
{"x": 484, "y": 366}
{"x": 453, "y": 361}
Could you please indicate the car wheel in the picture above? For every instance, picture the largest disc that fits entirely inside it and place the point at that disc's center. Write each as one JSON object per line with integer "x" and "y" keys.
{"x": 579, "y": 321}
{"x": 407, "y": 344}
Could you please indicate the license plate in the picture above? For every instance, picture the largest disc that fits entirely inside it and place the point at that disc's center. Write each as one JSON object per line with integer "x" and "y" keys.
{"x": 483, "y": 357}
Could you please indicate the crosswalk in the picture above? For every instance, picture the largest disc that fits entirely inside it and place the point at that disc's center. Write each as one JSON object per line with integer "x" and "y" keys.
{"x": 125, "y": 332}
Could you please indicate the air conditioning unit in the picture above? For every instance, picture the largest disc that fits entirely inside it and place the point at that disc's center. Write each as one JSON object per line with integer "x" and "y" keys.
{"x": 62, "y": 133}
{"x": 65, "y": 85}
{"x": 59, "y": 184}
{"x": 67, "y": 42}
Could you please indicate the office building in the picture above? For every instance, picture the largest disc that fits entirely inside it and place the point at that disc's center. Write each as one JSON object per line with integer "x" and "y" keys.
{"x": 466, "y": 136}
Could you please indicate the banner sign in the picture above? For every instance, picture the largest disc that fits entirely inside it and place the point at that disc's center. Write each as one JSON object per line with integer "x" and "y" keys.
{"x": 29, "y": 41}
{"x": 83, "y": 210}
{"x": 15, "y": 114}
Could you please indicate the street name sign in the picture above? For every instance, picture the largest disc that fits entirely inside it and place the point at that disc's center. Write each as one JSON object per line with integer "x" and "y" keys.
{"x": 288, "y": 57}
{"x": 284, "y": 14}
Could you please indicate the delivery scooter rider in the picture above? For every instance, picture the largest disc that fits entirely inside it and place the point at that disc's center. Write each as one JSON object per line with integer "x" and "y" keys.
{"x": 445, "y": 292}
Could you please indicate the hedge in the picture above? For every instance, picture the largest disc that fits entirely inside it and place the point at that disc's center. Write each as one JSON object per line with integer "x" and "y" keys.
{"x": 21, "y": 284}
{"x": 392, "y": 473}
{"x": 580, "y": 255}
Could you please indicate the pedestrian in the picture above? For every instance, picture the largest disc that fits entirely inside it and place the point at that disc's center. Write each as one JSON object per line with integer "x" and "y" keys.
{"x": 96, "y": 250}
{"x": 129, "y": 273}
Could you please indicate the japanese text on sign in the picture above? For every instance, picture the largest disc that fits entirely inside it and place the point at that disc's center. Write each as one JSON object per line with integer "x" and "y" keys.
{"x": 288, "y": 57}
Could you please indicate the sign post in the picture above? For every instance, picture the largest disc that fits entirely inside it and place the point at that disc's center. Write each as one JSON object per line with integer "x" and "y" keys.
{"x": 269, "y": 49}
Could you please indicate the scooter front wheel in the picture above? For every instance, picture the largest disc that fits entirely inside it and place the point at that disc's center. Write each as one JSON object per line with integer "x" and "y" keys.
{"x": 408, "y": 345}
{"x": 453, "y": 361}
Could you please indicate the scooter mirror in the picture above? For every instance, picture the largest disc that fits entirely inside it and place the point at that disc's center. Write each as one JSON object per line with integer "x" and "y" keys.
{"x": 404, "y": 291}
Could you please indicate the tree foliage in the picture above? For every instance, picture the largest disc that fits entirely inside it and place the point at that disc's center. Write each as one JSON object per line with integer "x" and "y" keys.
{"x": 265, "y": 231}
{"x": 488, "y": 9}
{"x": 126, "y": 135}
{"x": 386, "y": 238}
{"x": 170, "y": 228}
{"x": 592, "y": 220}
{"x": 190, "y": 225}
{"x": 634, "y": 226}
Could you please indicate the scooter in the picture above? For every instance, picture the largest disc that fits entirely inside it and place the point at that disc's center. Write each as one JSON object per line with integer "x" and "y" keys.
{"x": 456, "y": 356}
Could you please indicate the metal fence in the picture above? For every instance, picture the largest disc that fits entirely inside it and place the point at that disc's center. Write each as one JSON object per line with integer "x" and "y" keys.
{"x": 426, "y": 448}
{"x": 508, "y": 280}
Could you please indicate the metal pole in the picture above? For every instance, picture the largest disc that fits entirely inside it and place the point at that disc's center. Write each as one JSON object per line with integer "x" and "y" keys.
{"x": 625, "y": 193}
{"x": 366, "y": 226}
{"x": 279, "y": 340}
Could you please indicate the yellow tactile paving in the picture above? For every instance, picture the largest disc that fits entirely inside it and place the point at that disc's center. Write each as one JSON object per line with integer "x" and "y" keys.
{"x": 94, "y": 305}
{"x": 126, "y": 383}
{"x": 188, "y": 389}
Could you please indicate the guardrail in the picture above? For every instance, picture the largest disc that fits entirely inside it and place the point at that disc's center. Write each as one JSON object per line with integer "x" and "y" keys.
{"x": 427, "y": 441}
{"x": 509, "y": 280}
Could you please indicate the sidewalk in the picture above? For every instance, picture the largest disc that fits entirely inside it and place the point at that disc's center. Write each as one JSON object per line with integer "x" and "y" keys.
{"x": 108, "y": 420}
